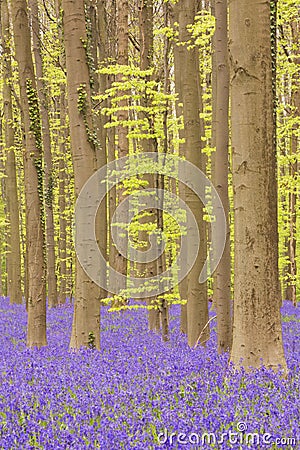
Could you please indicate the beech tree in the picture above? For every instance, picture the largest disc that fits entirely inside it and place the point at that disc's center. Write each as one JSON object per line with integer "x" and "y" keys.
{"x": 257, "y": 334}
{"x": 148, "y": 145}
{"x": 96, "y": 27}
{"x": 46, "y": 138}
{"x": 13, "y": 239}
{"x": 86, "y": 319}
{"x": 178, "y": 59}
{"x": 222, "y": 291}
{"x": 63, "y": 175}
{"x": 197, "y": 307}
{"x": 291, "y": 289}
{"x": 62, "y": 199}
{"x": 122, "y": 145}
{"x": 33, "y": 169}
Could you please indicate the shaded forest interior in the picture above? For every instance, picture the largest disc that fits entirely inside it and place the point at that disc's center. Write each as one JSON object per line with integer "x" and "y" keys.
{"x": 85, "y": 83}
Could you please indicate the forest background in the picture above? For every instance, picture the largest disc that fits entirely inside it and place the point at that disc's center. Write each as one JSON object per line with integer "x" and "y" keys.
{"x": 87, "y": 82}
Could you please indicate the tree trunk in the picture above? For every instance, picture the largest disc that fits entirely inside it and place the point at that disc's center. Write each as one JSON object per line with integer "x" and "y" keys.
{"x": 43, "y": 102}
{"x": 2, "y": 193}
{"x": 213, "y": 138}
{"x": 103, "y": 135}
{"x": 147, "y": 270}
{"x": 86, "y": 319}
{"x": 14, "y": 290}
{"x": 257, "y": 334}
{"x": 178, "y": 63}
{"x": 291, "y": 289}
{"x": 95, "y": 32}
{"x": 111, "y": 132}
{"x": 62, "y": 200}
{"x": 1, "y": 282}
{"x": 197, "y": 307}
{"x": 63, "y": 184}
{"x": 223, "y": 271}
{"x": 161, "y": 262}
{"x": 122, "y": 129}
{"x": 33, "y": 168}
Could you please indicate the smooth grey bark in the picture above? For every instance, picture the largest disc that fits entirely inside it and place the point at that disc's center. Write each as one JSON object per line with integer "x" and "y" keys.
{"x": 35, "y": 253}
{"x": 197, "y": 306}
{"x": 86, "y": 318}
{"x": 48, "y": 166}
{"x": 14, "y": 290}
{"x": 257, "y": 333}
{"x": 222, "y": 277}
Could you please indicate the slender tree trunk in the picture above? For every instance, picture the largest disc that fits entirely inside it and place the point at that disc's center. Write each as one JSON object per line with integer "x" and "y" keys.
{"x": 291, "y": 283}
{"x": 223, "y": 271}
{"x": 1, "y": 282}
{"x": 294, "y": 145}
{"x": 14, "y": 290}
{"x": 273, "y": 43}
{"x": 178, "y": 52}
{"x": 122, "y": 115}
{"x": 95, "y": 32}
{"x": 104, "y": 53}
{"x": 33, "y": 168}
{"x": 197, "y": 307}
{"x": 111, "y": 132}
{"x": 4, "y": 239}
{"x": 213, "y": 134}
{"x": 160, "y": 316}
{"x": 2, "y": 193}
{"x": 164, "y": 309}
{"x": 257, "y": 334}
{"x": 62, "y": 200}
{"x": 63, "y": 184}
{"x": 112, "y": 200}
{"x": 148, "y": 145}
{"x": 71, "y": 257}
{"x": 86, "y": 319}
{"x": 43, "y": 102}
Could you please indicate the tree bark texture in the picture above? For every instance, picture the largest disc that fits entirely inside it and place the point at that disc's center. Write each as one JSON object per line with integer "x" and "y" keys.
{"x": 257, "y": 334}
{"x": 49, "y": 181}
{"x": 86, "y": 319}
{"x": 197, "y": 306}
{"x": 222, "y": 291}
{"x": 14, "y": 290}
{"x": 33, "y": 168}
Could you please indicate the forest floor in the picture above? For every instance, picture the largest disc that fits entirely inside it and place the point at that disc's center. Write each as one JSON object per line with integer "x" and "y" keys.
{"x": 137, "y": 390}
